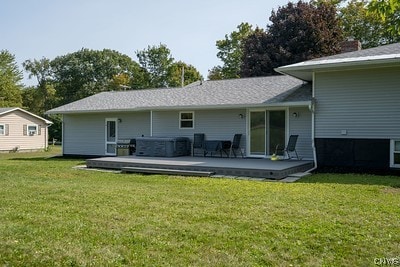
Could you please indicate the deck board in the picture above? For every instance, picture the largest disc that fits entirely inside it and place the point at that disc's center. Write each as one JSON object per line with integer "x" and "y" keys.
{"x": 258, "y": 168}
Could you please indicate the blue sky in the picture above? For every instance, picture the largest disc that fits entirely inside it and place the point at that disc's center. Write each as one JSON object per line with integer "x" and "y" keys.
{"x": 49, "y": 28}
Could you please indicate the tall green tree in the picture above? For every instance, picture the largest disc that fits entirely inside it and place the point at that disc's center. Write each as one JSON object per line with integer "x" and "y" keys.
{"x": 156, "y": 60}
{"x": 38, "y": 99}
{"x": 44, "y": 94}
{"x": 177, "y": 69}
{"x": 87, "y": 72}
{"x": 10, "y": 81}
{"x": 389, "y": 13}
{"x": 359, "y": 24}
{"x": 298, "y": 31}
{"x": 231, "y": 53}
{"x": 215, "y": 73}
{"x": 163, "y": 70}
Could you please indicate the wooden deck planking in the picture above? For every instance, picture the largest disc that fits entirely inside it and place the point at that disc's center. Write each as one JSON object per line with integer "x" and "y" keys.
{"x": 258, "y": 168}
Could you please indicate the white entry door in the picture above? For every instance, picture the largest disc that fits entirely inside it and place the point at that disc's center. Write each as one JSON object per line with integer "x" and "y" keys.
{"x": 111, "y": 136}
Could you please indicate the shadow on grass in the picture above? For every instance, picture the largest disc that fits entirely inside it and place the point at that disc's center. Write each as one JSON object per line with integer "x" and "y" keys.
{"x": 352, "y": 178}
{"x": 386, "y": 179}
{"x": 50, "y": 158}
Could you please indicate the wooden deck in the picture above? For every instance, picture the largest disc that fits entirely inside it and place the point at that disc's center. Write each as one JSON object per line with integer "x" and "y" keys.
{"x": 257, "y": 168}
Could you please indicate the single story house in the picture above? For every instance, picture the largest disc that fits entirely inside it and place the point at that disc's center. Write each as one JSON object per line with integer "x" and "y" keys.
{"x": 345, "y": 109}
{"x": 22, "y": 130}
{"x": 259, "y": 108}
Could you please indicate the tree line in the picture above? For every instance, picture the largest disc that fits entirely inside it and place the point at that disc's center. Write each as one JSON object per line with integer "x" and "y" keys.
{"x": 297, "y": 32}
{"x": 305, "y": 30}
{"x": 84, "y": 73}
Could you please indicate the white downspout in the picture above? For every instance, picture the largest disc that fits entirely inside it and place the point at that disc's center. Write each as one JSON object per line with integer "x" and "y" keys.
{"x": 247, "y": 121}
{"x": 62, "y": 134}
{"x": 313, "y": 125}
{"x": 151, "y": 122}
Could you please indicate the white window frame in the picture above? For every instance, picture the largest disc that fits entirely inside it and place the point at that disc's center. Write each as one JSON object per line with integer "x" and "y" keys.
{"x": 181, "y": 120}
{"x": 392, "y": 152}
{"x": 107, "y": 142}
{"x": 4, "y": 129}
{"x": 31, "y": 132}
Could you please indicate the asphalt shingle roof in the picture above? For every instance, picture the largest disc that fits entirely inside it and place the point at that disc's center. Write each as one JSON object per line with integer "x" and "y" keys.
{"x": 390, "y": 49}
{"x": 386, "y": 54}
{"x": 3, "y": 110}
{"x": 244, "y": 92}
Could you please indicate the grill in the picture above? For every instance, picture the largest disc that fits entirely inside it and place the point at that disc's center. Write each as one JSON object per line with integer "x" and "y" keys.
{"x": 126, "y": 147}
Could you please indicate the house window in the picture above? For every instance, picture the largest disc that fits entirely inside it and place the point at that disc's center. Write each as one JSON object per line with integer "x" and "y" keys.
{"x": 32, "y": 130}
{"x": 186, "y": 120}
{"x": 395, "y": 153}
{"x": 2, "y": 129}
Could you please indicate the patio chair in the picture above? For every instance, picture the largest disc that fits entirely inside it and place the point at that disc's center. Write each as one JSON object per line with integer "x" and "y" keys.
{"x": 236, "y": 145}
{"x": 198, "y": 143}
{"x": 290, "y": 148}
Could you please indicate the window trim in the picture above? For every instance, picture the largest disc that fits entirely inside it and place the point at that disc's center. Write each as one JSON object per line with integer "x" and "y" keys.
{"x": 4, "y": 129}
{"x": 32, "y": 125}
{"x": 182, "y": 120}
{"x": 392, "y": 152}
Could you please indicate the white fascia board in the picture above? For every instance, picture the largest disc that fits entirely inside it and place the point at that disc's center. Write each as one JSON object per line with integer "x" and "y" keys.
{"x": 340, "y": 62}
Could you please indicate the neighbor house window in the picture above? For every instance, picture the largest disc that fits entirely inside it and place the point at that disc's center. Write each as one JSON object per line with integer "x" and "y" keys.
{"x": 32, "y": 130}
{"x": 395, "y": 153}
{"x": 2, "y": 129}
{"x": 186, "y": 120}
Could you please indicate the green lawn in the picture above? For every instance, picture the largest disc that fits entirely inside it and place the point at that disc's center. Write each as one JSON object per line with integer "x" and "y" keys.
{"x": 54, "y": 215}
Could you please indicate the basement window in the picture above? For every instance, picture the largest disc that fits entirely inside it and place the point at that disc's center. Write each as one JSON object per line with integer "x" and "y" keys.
{"x": 395, "y": 153}
{"x": 186, "y": 120}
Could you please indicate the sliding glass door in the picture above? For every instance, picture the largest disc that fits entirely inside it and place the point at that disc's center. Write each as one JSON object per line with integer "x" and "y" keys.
{"x": 267, "y": 131}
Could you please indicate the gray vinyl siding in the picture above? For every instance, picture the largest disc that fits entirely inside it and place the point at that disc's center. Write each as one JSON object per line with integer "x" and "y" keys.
{"x": 363, "y": 103}
{"x": 133, "y": 125}
{"x": 301, "y": 125}
{"x": 215, "y": 124}
{"x": 84, "y": 134}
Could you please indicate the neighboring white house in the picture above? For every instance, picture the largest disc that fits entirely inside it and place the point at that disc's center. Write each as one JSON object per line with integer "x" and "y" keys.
{"x": 345, "y": 109}
{"x": 22, "y": 130}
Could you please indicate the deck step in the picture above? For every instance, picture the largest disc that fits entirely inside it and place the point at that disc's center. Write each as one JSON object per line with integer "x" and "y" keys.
{"x": 299, "y": 174}
{"x": 165, "y": 171}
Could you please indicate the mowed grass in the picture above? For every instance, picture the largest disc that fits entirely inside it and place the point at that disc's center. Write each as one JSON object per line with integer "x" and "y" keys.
{"x": 54, "y": 215}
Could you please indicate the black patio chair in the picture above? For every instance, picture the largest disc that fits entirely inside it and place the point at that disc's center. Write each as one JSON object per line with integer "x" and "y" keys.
{"x": 236, "y": 145}
{"x": 290, "y": 148}
{"x": 198, "y": 143}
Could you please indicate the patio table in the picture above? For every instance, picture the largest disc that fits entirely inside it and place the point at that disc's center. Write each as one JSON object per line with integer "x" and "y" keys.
{"x": 211, "y": 146}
